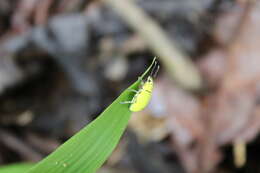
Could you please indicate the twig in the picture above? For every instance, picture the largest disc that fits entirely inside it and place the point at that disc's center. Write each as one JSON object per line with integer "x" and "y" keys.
{"x": 177, "y": 64}
{"x": 41, "y": 11}
{"x": 19, "y": 146}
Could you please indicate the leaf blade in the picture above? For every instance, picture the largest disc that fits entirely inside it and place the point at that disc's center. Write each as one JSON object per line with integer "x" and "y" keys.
{"x": 86, "y": 151}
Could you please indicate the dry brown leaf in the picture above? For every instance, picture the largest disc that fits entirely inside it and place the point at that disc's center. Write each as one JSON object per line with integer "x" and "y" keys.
{"x": 182, "y": 111}
{"x": 230, "y": 110}
{"x": 213, "y": 66}
{"x": 147, "y": 127}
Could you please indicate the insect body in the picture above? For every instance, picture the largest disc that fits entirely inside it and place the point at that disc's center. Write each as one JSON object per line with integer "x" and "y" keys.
{"x": 143, "y": 95}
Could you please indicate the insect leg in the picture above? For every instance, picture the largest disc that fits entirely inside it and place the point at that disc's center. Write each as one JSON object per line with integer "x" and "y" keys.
{"x": 132, "y": 90}
{"x": 126, "y": 102}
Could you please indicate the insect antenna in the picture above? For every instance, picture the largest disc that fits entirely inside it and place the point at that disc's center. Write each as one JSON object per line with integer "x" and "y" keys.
{"x": 155, "y": 69}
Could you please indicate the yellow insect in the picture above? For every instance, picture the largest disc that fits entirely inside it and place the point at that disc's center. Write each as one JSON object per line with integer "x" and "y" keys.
{"x": 144, "y": 94}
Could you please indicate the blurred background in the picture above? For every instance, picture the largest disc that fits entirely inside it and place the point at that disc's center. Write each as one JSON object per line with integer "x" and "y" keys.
{"x": 62, "y": 62}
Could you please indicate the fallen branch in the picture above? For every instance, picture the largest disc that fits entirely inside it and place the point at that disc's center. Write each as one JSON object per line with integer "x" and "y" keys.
{"x": 176, "y": 62}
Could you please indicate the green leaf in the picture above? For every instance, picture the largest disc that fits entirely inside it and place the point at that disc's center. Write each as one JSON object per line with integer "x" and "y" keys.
{"x": 86, "y": 151}
{"x": 15, "y": 168}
